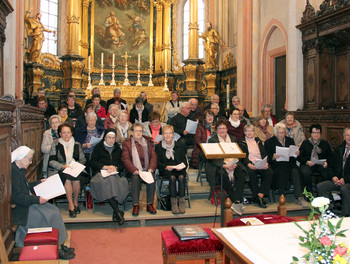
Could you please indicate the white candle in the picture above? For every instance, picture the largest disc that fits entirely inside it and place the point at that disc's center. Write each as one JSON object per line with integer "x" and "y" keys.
{"x": 101, "y": 58}
{"x": 139, "y": 60}
{"x": 89, "y": 63}
{"x": 228, "y": 95}
{"x": 166, "y": 65}
{"x": 113, "y": 60}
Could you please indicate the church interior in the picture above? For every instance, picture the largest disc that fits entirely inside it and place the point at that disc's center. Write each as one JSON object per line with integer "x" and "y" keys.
{"x": 293, "y": 55}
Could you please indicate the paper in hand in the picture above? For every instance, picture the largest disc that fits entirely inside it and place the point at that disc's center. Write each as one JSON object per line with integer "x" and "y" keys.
{"x": 50, "y": 188}
{"x": 292, "y": 150}
{"x": 318, "y": 161}
{"x": 180, "y": 166}
{"x": 146, "y": 176}
{"x": 75, "y": 169}
{"x": 231, "y": 162}
{"x": 95, "y": 140}
{"x": 105, "y": 174}
{"x": 176, "y": 136}
{"x": 159, "y": 138}
{"x": 283, "y": 152}
{"x": 191, "y": 126}
{"x": 260, "y": 164}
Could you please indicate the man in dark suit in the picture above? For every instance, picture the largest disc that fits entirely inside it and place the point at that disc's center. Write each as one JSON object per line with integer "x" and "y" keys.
{"x": 215, "y": 99}
{"x": 116, "y": 96}
{"x": 341, "y": 179}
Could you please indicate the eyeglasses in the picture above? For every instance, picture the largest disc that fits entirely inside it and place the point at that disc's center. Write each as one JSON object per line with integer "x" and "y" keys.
{"x": 155, "y": 121}
{"x": 138, "y": 131}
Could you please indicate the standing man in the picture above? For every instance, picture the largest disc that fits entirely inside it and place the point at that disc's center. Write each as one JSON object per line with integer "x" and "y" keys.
{"x": 173, "y": 106}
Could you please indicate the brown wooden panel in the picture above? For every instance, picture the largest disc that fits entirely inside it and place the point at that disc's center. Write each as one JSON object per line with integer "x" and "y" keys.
{"x": 325, "y": 91}
{"x": 342, "y": 79}
{"x": 310, "y": 82}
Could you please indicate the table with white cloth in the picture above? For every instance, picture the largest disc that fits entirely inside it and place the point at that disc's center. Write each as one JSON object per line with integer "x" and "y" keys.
{"x": 267, "y": 244}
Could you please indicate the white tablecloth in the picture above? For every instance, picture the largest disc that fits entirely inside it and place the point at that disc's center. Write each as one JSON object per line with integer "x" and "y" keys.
{"x": 272, "y": 243}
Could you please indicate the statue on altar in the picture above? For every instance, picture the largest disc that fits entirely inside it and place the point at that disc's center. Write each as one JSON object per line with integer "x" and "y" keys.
{"x": 210, "y": 39}
{"x": 35, "y": 30}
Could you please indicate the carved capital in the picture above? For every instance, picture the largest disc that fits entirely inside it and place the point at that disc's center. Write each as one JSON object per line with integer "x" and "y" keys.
{"x": 194, "y": 25}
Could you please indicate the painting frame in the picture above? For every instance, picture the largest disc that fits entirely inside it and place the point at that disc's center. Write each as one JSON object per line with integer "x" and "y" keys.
{"x": 116, "y": 46}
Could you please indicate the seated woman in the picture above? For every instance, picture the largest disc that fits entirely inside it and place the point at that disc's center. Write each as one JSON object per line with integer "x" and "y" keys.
{"x": 99, "y": 109}
{"x": 62, "y": 154}
{"x": 284, "y": 170}
{"x": 233, "y": 174}
{"x": 123, "y": 127}
{"x": 112, "y": 119}
{"x": 138, "y": 155}
{"x": 254, "y": 149}
{"x": 235, "y": 126}
{"x": 114, "y": 189}
{"x": 50, "y": 136}
{"x": 316, "y": 148}
{"x": 153, "y": 127}
{"x": 63, "y": 114}
{"x": 74, "y": 109}
{"x": 294, "y": 129}
{"x": 263, "y": 130}
{"x": 170, "y": 154}
{"x": 138, "y": 113}
{"x": 204, "y": 131}
{"x": 33, "y": 211}
{"x": 83, "y": 135}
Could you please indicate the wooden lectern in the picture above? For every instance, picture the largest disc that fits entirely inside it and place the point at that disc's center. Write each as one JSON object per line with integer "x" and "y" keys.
{"x": 222, "y": 151}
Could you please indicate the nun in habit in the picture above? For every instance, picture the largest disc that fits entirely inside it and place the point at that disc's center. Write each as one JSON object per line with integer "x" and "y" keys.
{"x": 33, "y": 211}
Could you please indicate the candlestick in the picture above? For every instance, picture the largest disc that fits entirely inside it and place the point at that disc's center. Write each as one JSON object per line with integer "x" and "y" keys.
{"x": 113, "y": 60}
{"x": 228, "y": 95}
{"x": 126, "y": 80}
{"x": 150, "y": 83}
{"x": 113, "y": 66}
{"x": 89, "y": 86}
{"x": 166, "y": 82}
{"x": 138, "y": 83}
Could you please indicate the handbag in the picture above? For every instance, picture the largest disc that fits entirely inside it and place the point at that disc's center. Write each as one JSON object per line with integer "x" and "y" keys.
{"x": 165, "y": 203}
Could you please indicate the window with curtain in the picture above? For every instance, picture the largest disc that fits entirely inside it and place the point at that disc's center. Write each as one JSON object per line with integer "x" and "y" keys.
{"x": 49, "y": 19}
{"x": 201, "y": 22}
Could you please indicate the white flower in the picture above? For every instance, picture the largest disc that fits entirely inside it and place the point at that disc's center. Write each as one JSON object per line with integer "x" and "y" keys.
{"x": 320, "y": 202}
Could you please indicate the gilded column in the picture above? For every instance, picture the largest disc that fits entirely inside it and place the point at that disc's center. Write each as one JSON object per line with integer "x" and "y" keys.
{"x": 167, "y": 25}
{"x": 193, "y": 34}
{"x": 72, "y": 63}
{"x": 84, "y": 32}
{"x": 159, "y": 37}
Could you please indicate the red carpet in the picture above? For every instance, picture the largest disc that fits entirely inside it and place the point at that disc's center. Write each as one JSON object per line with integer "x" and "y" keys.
{"x": 131, "y": 245}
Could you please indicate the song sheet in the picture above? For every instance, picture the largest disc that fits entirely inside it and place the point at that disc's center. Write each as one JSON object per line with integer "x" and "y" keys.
{"x": 74, "y": 169}
{"x": 318, "y": 161}
{"x": 95, "y": 140}
{"x": 159, "y": 138}
{"x": 283, "y": 152}
{"x": 191, "y": 126}
{"x": 180, "y": 166}
{"x": 50, "y": 188}
{"x": 146, "y": 176}
{"x": 231, "y": 162}
{"x": 230, "y": 148}
{"x": 212, "y": 148}
{"x": 176, "y": 136}
{"x": 292, "y": 150}
{"x": 105, "y": 174}
{"x": 260, "y": 164}
{"x": 252, "y": 221}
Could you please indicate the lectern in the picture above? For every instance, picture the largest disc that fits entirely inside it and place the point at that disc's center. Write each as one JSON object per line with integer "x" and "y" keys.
{"x": 222, "y": 151}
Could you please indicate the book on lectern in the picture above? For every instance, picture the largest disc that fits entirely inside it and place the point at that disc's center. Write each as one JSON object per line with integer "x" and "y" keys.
{"x": 188, "y": 232}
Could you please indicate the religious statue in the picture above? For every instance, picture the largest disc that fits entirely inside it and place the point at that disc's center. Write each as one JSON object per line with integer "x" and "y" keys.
{"x": 35, "y": 30}
{"x": 210, "y": 40}
{"x": 114, "y": 29}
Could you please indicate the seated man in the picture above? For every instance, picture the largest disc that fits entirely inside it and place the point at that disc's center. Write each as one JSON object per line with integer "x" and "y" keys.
{"x": 96, "y": 90}
{"x": 173, "y": 106}
{"x": 146, "y": 104}
{"x": 236, "y": 101}
{"x": 244, "y": 120}
{"x": 216, "y": 110}
{"x": 215, "y": 99}
{"x": 179, "y": 123}
{"x": 116, "y": 96}
{"x": 48, "y": 109}
{"x": 196, "y": 113}
{"x": 266, "y": 110}
{"x": 341, "y": 179}
{"x": 40, "y": 92}
{"x": 317, "y": 148}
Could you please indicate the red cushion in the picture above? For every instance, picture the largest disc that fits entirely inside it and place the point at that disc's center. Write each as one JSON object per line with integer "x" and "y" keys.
{"x": 175, "y": 246}
{"x": 42, "y": 252}
{"x": 42, "y": 238}
{"x": 265, "y": 218}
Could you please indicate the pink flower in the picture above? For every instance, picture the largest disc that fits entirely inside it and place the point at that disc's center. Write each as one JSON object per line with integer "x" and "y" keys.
{"x": 340, "y": 250}
{"x": 325, "y": 241}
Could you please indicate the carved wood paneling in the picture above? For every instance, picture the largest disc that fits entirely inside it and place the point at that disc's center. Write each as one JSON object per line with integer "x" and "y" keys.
{"x": 342, "y": 79}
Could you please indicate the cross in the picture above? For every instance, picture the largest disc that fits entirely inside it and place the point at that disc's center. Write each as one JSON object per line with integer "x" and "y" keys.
{"x": 126, "y": 57}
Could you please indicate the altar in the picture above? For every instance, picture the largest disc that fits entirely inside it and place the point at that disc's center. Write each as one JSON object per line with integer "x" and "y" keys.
{"x": 267, "y": 244}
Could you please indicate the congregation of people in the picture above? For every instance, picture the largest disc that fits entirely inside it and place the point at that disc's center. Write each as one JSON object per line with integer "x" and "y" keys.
{"x": 139, "y": 140}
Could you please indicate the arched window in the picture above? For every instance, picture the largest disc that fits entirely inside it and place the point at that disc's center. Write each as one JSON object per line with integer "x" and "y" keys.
{"x": 49, "y": 18}
{"x": 201, "y": 22}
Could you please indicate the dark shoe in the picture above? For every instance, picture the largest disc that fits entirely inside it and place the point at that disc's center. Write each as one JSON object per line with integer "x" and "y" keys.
{"x": 77, "y": 209}
{"x": 135, "y": 210}
{"x": 118, "y": 217}
{"x": 261, "y": 202}
{"x": 72, "y": 214}
{"x": 151, "y": 209}
{"x": 65, "y": 255}
{"x": 67, "y": 249}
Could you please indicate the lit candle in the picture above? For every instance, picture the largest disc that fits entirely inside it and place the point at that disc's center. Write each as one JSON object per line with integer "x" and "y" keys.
{"x": 113, "y": 60}
{"x": 228, "y": 95}
{"x": 139, "y": 60}
{"x": 89, "y": 63}
{"x": 101, "y": 58}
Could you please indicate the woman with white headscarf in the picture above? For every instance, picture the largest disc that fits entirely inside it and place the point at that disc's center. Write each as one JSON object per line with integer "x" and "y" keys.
{"x": 33, "y": 211}
{"x": 107, "y": 156}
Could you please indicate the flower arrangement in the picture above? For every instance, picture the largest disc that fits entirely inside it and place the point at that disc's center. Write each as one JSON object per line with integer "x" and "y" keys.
{"x": 322, "y": 238}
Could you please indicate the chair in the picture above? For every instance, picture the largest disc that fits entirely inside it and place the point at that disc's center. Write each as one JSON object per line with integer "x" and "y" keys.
{"x": 4, "y": 257}
{"x": 201, "y": 175}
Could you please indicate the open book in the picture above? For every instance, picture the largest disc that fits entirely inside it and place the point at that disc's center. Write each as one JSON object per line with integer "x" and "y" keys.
{"x": 50, "y": 188}
{"x": 222, "y": 150}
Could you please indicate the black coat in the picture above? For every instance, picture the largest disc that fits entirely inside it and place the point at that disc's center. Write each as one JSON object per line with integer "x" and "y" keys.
{"x": 100, "y": 157}
{"x": 134, "y": 115}
{"x": 179, "y": 122}
{"x": 112, "y": 100}
{"x": 244, "y": 147}
{"x": 76, "y": 112}
{"x": 270, "y": 146}
{"x": 337, "y": 164}
{"x": 306, "y": 150}
{"x": 21, "y": 195}
{"x": 163, "y": 161}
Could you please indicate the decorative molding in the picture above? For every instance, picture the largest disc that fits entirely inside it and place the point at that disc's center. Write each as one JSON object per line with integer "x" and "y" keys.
{"x": 5, "y": 117}
{"x": 229, "y": 61}
{"x": 309, "y": 12}
{"x": 2, "y": 188}
{"x": 50, "y": 61}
